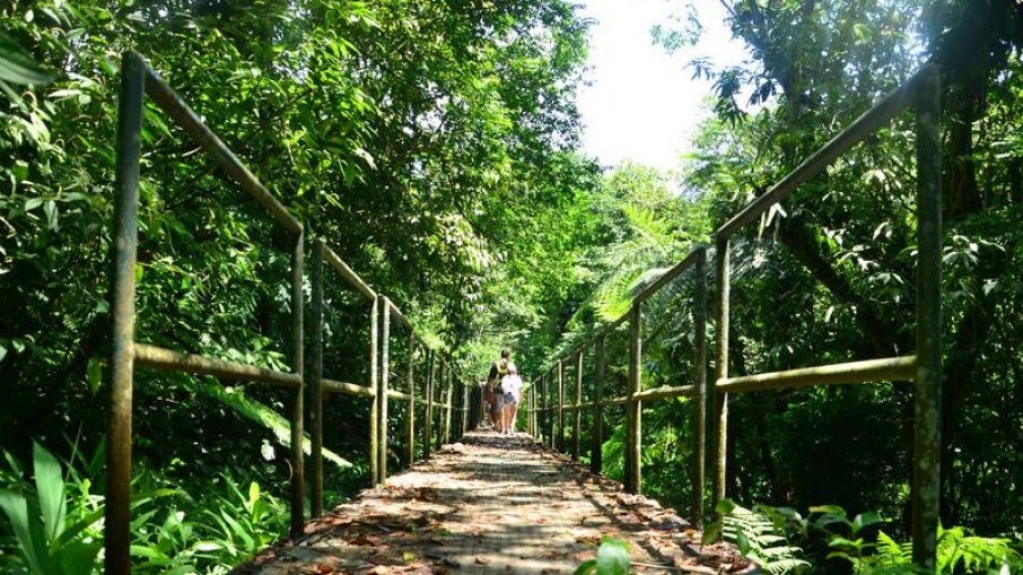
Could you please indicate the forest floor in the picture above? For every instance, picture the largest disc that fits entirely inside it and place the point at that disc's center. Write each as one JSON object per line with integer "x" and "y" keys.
{"x": 493, "y": 504}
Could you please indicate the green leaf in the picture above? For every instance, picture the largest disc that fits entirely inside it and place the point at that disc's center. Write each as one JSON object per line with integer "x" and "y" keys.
{"x": 586, "y": 567}
{"x": 16, "y": 66}
{"x": 613, "y": 558}
{"x": 725, "y": 507}
{"x": 207, "y": 546}
{"x": 79, "y": 558}
{"x": 865, "y": 520}
{"x": 150, "y": 553}
{"x": 50, "y": 209}
{"x": 15, "y": 506}
{"x": 828, "y": 509}
{"x": 94, "y": 372}
{"x": 712, "y": 533}
{"x": 50, "y": 485}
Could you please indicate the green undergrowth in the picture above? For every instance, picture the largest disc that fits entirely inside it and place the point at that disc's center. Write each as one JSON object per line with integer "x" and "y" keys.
{"x": 827, "y": 541}
{"x": 52, "y": 523}
{"x": 51, "y": 511}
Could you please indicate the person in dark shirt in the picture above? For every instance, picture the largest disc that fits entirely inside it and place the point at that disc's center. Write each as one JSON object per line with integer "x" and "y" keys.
{"x": 498, "y": 370}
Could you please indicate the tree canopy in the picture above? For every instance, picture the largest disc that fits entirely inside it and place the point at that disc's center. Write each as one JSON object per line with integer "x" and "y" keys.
{"x": 435, "y": 146}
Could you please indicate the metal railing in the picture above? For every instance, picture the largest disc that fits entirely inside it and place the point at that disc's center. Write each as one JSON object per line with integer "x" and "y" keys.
{"x": 921, "y": 92}
{"x": 137, "y": 81}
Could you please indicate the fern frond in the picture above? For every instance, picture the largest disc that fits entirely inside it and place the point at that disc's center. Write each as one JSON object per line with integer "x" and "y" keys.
{"x": 782, "y": 566}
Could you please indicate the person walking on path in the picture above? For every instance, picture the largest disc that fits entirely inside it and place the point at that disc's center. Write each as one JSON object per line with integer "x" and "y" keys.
{"x": 493, "y": 403}
{"x": 511, "y": 386}
{"x": 498, "y": 370}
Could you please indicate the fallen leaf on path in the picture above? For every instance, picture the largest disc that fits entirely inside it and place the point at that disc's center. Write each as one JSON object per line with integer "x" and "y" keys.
{"x": 366, "y": 539}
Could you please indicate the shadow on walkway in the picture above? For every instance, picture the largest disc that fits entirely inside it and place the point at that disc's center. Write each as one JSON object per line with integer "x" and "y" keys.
{"x": 492, "y": 504}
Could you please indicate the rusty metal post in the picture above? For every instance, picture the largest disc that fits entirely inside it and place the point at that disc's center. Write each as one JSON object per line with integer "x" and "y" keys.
{"x": 577, "y": 416}
{"x": 123, "y": 252}
{"x": 720, "y": 409}
{"x": 597, "y": 434}
{"x": 298, "y": 366}
{"x": 410, "y": 417}
{"x": 383, "y": 385}
{"x": 633, "y": 448}
{"x": 534, "y": 416}
{"x": 464, "y": 407}
{"x": 449, "y": 386}
{"x": 561, "y": 406}
{"x": 374, "y": 384}
{"x": 437, "y": 415}
{"x": 551, "y": 410}
{"x": 699, "y": 386}
{"x": 544, "y": 413}
{"x": 316, "y": 379}
{"x": 927, "y": 449}
{"x": 428, "y": 428}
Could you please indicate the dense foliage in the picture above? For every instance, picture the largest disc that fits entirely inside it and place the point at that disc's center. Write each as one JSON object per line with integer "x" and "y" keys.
{"x": 433, "y": 145}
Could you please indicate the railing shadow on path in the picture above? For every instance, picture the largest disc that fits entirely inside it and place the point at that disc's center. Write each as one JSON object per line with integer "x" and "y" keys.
{"x": 492, "y": 504}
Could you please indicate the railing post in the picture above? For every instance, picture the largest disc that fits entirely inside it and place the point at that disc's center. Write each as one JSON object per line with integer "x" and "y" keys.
{"x": 449, "y": 387}
{"x": 700, "y": 386}
{"x": 633, "y": 467}
{"x": 927, "y": 448}
{"x": 316, "y": 379}
{"x": 384, "y": 384}
{"x": 298, "y": 407}
{"x": 577, "y": 416}
{"x": 534, "y": 416}
{"x": 597, "y": 434}
{"x": 543, "y": 399}
{"x": 428, "y": 428}
{"x": 561, "y": 406}
{"x": 123, "y": 254}
{"x": 552, "y": 410}
{"x": 720, "y": 400}
{"x": 374, "y": 384}
{"x": 410, "y": 417}
{"x": 464, "y": 406}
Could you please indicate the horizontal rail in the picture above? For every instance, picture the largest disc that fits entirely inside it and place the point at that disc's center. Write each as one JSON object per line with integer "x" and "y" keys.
{"x": 189, "y": 121}
{"x": 396, "y": 313}
{"x": 859, "y": 130}
{"x": 668, "y": 276}
{"x": 394, "y": 394}
{"x": 153, "y": 357}
{"x": 647, "y": 395}
{"x": 348, "y": 274}
{"x": 664, "y": 393}
{"x": 331, "y": 386}
{"x": 614, "y": 325}
{"x": 888, "y": 369}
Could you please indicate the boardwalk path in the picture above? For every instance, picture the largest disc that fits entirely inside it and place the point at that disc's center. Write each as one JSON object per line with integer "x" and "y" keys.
{"x": 490, "y": 504}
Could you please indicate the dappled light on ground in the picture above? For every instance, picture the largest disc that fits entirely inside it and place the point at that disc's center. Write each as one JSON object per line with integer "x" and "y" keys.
{"x": 492, "y": 504}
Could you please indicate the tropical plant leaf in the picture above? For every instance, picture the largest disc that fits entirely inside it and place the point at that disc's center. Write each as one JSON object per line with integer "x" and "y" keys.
{"x": 33, "y": 549}
{"x": 613, "y": 557}
{"x": 16, "y": 66}
{"x": 50, "y": 489}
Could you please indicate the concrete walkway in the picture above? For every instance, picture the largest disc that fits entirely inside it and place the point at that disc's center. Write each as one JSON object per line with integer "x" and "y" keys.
{"x": 492, "y": 504}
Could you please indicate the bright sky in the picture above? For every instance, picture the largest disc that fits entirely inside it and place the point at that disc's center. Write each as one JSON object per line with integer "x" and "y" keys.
{"x": 642, "y": 104}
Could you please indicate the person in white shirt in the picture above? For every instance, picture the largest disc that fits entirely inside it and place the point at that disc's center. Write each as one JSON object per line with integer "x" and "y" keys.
{"x": 511, "y": 387}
